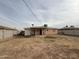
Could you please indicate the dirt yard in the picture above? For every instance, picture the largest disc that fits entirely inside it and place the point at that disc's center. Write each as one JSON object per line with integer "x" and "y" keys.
{"x": 40, "y": 47}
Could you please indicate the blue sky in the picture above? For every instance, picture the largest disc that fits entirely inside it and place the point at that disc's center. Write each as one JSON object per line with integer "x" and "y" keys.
{"x": 55, "y": 13}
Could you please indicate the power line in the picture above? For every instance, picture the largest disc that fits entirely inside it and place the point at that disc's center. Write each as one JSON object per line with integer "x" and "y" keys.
{"x": 31, "y": 10}
{"x": 39, "y": 4}
{"x": 11, "y": 21}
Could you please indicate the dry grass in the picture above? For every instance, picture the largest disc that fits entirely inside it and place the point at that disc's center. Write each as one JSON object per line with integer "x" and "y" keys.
{"x": 49, "y": 47}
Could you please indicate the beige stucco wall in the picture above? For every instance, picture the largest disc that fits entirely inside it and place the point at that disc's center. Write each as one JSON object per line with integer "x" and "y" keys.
{"x": 27, "y": 32}
{"x": 7, "y": 33}
{"x": 51, "y": 31}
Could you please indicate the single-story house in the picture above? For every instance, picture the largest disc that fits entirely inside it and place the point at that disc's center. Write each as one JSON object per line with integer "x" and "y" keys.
{"x": 35, "y": 31}
{"x": 69, "y": 31}
{"x": 6, "y": 32}
{"x": 41, "y": 30}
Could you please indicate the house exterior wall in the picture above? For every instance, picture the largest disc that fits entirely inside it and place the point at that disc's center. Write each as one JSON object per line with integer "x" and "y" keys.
{"x": 7, "y": 33}
{"x": 51, "y": 31}
{"x": 32, "y": 32}
{"x": 35, "y": 31}
{"x": 27, "y": 32}
{"x": 70, "y": 32}
{"x": 44, "y": 31}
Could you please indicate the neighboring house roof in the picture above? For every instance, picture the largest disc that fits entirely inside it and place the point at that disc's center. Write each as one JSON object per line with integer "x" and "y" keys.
{"x": 40, "y": 27}
{"x": 70, "y": 28}
{"x": 7, "y": 28}
{"x": 52, "y": 28}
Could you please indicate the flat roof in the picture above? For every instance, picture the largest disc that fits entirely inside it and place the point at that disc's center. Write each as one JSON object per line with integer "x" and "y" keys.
{"x": 42, "y": 27}
{"x": 69, "y": 28}
{"x": 52, "y": 28}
